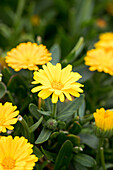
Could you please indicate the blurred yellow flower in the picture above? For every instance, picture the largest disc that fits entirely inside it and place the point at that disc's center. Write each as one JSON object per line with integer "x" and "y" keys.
{"x": 35, "y": 20}
{"x": 104, "y": 119}
{"x": 106, "y": 41}
{"x": 28, "y": 56}
{"x": 106, "y": 36}
{"x": 15, "y": 154}
{"x": 7, "y": 116}
{"x": 101, "y": 23}
{"x": 100, "y": 60}
{"x": 57, "y": 81}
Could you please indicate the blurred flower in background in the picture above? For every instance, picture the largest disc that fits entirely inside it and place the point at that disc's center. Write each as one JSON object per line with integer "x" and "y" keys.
{"x": 28, "y": 56}
{"x": 101, "y": 23}
{"x": 35, "y": 20}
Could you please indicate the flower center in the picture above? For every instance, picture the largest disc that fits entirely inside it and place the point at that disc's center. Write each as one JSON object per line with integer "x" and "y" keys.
{"x": 57, "y": 85}
{"x": 8, "y": 163}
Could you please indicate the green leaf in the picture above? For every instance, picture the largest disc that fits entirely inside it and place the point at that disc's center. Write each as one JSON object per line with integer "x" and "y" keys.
{"x": 14, "y": 82}
{"x": 54, "y": 135}
{"x": 33, "y": 110}
{"x": 72, "y": 106}
{"x": 47, "y": 113}
{"x": 74, "y": 139}
{"x": 65, "y": 116}
{"x": 36, "y": 125}
{"x": 56, "y": 53}
{"x": 85, "y": 160}
{"x": 75, "y": 51}
{"x": 37, "y": 152}
{"x": 75, "y": 128}
{"x": 44, "y": 136}
{"x": 91, "y": 140}
{"x": 6, "y": 74}
{"x": 84, "y": 71}
{"x": 61, "y": 138}
{"x": 48, "y": 104}
{"x": 49, "y": 155}
{"x": 64, "y": 156}
{"x": 84, "y": 12}
{"x": 81, "y": 111}
{"x": 79, "y": 166}
{"x": 2, "y": 89}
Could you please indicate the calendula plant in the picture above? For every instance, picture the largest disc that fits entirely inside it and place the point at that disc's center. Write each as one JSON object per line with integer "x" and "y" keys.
{"x": 56, "y": 85}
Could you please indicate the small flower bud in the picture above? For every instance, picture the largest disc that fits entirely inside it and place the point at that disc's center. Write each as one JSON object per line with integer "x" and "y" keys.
{"x": 51, "y": 124}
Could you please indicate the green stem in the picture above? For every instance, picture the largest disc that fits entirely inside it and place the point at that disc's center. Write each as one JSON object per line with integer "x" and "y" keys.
{"x": 102, "y": 158}
{"x": 86, "y": 119}
{"x": 54, "y": 110}
{"x": 100, "y": 154}
{"x": 25, "y": 127}
{"x": 78, "y": 45}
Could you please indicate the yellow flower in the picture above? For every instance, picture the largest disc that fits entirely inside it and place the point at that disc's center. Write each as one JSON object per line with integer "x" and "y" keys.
{"x": 35, "y": 20}
{"x": 106, "y": 36}
{"x": 28, "y": 56}
{"x": 7, "y": 116}
{"x": 100, "y": 60}
{"x": 101, "y": 23}
{"x": 104, "y": 119}
{"x": 57, "y": 81}
{"x": 15, "y": 154}
{"x": 106, "y": 41}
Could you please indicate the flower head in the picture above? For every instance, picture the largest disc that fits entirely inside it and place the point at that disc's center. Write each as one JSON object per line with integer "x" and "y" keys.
{"x": 104, "y": 119}
{"x": 106, "y": 41}
{"x": 57, "y": 81}
{"x": 100, "y": 60}
{"x": 16, "y": 154}
{"x": 27, "y": 56}
{"x": 101, "y": 23}
{"x": 7, "y": 116}
{"x": 106, "y": 36}
{"x": 35, "y": 20}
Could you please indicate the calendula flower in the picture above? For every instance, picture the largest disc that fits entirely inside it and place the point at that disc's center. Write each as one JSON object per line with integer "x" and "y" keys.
{"x": 16, "y": 154}
{"x": 104, "y": 119}
{"x": 101, "y": 23}
{"x": 7, "y": 116}
{"x": 35, "y": 20}
{"x": 107, "y": 36}
{"x": 28, "y": 56}
{"x": 106, "y": 41}
{"x": 100, "y": 60}
{"x": 57, "y": 81}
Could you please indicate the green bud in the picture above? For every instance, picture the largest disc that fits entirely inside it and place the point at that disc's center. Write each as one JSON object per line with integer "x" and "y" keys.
{"x": 51, "y": 124}
{"x": 102, "y": 133}
{"x": 61, "y": 125}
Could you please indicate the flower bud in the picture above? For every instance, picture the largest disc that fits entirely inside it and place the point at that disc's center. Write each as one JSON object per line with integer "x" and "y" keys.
{"x": 51, "y": 124}
{"x": 103, "y": 123}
